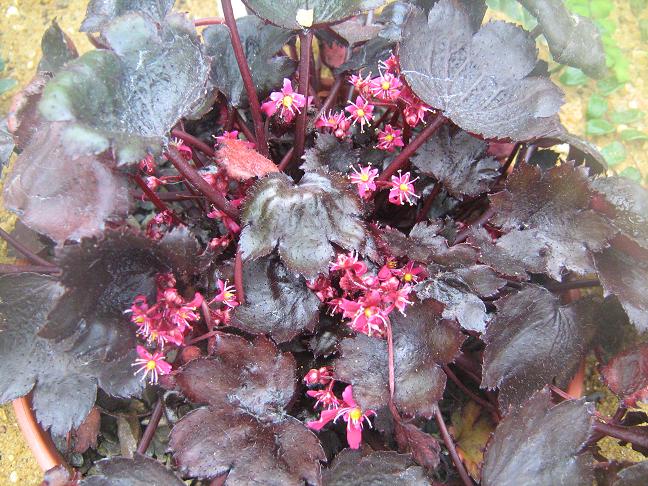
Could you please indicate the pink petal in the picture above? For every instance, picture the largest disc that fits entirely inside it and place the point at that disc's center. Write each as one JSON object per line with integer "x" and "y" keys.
{"x": 143, "y": 353}
{"x": 347, "y": 396}
{"x": 164, "y": 367}
{"x": 269, "y": 108}
{"x": 325, "y": 417}
{"x": 354, "y": 435}
{"x": 287, "y": 86}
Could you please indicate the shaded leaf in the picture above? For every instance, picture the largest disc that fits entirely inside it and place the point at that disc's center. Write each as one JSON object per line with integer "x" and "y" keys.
{"x": 6, "y": 145}
{"x": 508, "y": 256}
{"x": 532, "y": 341}
{"x": 424, "y": 448}
{"x": 302, "y": 221}
{"x": 57, "y": 48}
{"x": 634, "y": 475}
{"x": 296, "y": 14}
{"x": 330, "y": 154}
{"x": 23, "y": 119}
{"x": 261, "y": 42}
{"x": 481, "y": 82}
{"x": 277, "y": 302}
{"x": 139, "y": 471}
{"x": 627, "y": 374}
{"x": 459, "y": 162}
{"x": 101, "y": 12}
{"x": 472, "y": 430}
{"x": 551, "y": 207}
{"x": 368, "y": 56}
{"x": 31, "y": 363}
{"x": 540, "y": 443}
{"x": 129, "y": 97}
{"x": 351, "y": 468}
{"x": 63, "y": 197}
{"x": 422, "y": 341}
{"x": 242, "y": 162}
{"x": 85, "y": 436}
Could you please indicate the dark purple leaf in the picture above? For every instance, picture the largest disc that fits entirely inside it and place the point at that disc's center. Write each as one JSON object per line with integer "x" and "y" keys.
{"x": 101, "y": 12}
{"x": 253, "y": 376}
{"x": 627, "y": 374}
{"x": 261, "y": 42}
{"x": 540, "y": 443}
{"x": 532, "y": 341}
{"x": 459, "y": 162}
{"x": 511, "y": 256}
{"x": 63, "y": 197}
{"x": 330, "y": 154}
{"x": 298, "y": 14}
{"x": 128, "y": 98}
{"x": 351, "y": 468}
{"x": 213, "y": 441}
{"x": 277, "y": 302}
{"x": 57, "y": 49}
{"x": 139, "y": 471}
{"x": 31, "y": 363}
{"x": 551, "y": 207}
{"x": 424, "y": 448}
{"x": 303, "y": 221}
{"x": 634, "y": 475}
{"x": 422, "y": 341}
{"x": 481, "y": 82}
{"x": 476, "y": 9}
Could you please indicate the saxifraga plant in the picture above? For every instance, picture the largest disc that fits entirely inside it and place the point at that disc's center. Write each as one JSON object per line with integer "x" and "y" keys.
{"x": 308, "y": 238}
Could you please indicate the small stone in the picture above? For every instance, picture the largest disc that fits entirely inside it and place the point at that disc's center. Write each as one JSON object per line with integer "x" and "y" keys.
{"x": 13, "y": 477}
{"x": 12, "y": 11}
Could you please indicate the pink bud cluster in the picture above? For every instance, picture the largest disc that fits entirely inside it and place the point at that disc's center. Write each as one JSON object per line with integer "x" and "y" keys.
{"x": 334, "y": 408}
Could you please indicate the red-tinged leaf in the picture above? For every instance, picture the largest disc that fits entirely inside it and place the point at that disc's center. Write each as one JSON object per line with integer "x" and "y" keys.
{"x": 352, "y": 468}
{"x": 533, "y": 340}
{"x": 424, "y": 448}
{"x": 422, "y": 341}
{"x": 23, "y": 119}
{"x": 627, "y": 375}
{"x": 540, "y": 443}
{"x": 242, "y": 162}
{"x": 139, "y": 471}
{"x": 482, "y": 81}
{"x": 85, "y": 435}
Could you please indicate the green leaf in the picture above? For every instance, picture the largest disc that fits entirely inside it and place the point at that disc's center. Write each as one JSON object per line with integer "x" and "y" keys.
{"x": 608, "y": 26}
{"x": 614, "y": 153}
{"x": 7, "y": 84}
{"x": 622, "y": 70}
{"x": 601, "y": 9}
{"x": 597, "y": 106}
{"x": 573, "y": 77}
{"x": 643, "y": 29}
{"x": 599, "y": 127}
{"x": 638, "y": 6}
{"x": 626, "y": 117}
{"x": 608, "y": 86}
{"x": 631, "y": 173}
{"x": 632, "y": 135}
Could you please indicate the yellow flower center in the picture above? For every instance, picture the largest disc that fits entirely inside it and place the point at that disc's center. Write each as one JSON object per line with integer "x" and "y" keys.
{"x": 355, "y": 414}
{"x": 287, "y": 101}
{"x": 369, "y": 312}
{"x": 403, "y": 187}
{"x": 150, "y": 365}
{"x": 364, "y": 177}
{"x": 389, "y": 137}
{"x": 228, "y": 295}
{"x": 408, "y": 277}
{"x": 385, "y": 85}
{"x": 360, "y": 113}
{"x": 139, "y": 319}
{"x": 392, "y": 264}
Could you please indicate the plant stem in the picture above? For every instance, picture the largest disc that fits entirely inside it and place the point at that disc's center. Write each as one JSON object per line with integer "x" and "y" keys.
{"x": 208, "y": 21}
{"x": 451, "y": 448}
{"x": 637, "y": 436}
{"x": 486, "y": 215}
{"x": 193, "y": 142}
{"x": 19, "y": 247}
{"x": 169, "y": 196}
{"x": 248, "y": 82}
{"x": 305, "y": 47}
{"x": 238, "y": 277}
{"x": 390, "y": 360}
{"x": 201, "y": 184}
{"x": 511, "y": 158}
{"x": 6, "y": 268}
{"x": 333, "y": 93}
{"x": 576, "y": 284}
{"x": 401, "y": 159}
{"x": 202, "y": 337}
{"x": 473, "y": 396}
{"x": 429, "y": 200}
{"x": 157, "y": 202}
{"x": 241, "y": 125}
{"x": 149, "y": 432}
{"x": 286, "y": 159}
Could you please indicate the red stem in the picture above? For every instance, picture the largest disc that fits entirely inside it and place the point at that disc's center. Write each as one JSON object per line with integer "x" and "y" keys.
{"x": 201, "y": 184}
{"x": 637, "y": 436}
{"x": 169, "y": 196}
{"x": 157, "y": 202}
{"x": 149, "y": 432}
{"x": 576, "y": 284}
{"x": 451, "y": 448}
{"x": 330, "y": 99}
{"x": 390, "y": 360}
{"x": 401, "y": 159}
{"x": 286, "y": 159}
{"x": 208, "y": 21}
{"x": 202, "y": 337}
{"x": 193, "y": 142}
{"x": 248, "y": 82}
{"x": 19, "y": 247}
{"x": 244, "y": 128}
{"x": 305, "y": 47}
{"x": 238, "y": 277}
{"x": 428, "y": 202}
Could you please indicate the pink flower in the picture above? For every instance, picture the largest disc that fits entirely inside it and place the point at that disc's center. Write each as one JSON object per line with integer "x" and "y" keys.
{"x": 322, "y": 288}
{"x": 385, "y": 87}
{"x": 365, "y": 180}
{"x": 152, "y": 364}
{"x": 389, "y": 139}
{"x": 184, "y": 313}
{"x": 226, "y": 295}
{"x": 287, "y": 100}
{"x": 361, "y": 84}
{"x": 410, "y": 272}
{"x": 184, "y": 150}
{"x": 337, "y": 122}
{"x": 326, "y": 398}
{"x": 320, "y": 376}
{"x": 402, "y": 189}
{"x": 391, "y": 65}
{"x": 351, "y": 413}
{"x": 229, "y": 223}
{"x": 361, "y": 112}
{"x": 349, "y": 261}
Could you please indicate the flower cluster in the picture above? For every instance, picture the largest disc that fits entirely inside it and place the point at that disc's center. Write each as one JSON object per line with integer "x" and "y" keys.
{"x": 401, "y": 187}
{"x": 286, "y": 101}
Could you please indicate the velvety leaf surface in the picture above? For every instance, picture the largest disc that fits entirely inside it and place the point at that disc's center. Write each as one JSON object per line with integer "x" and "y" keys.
{"x": 552, "y": 208}
{"x": 261, "y": 42}
{"x": 302, "y": 221}
{"x": 481, "y": 82}
{"x": 101, "y": 12}
{"x": 422, "y": 341}
{"x": 330, "y": 154}
{"x": 290, "y": 13}
{"x": 539, "y": 443}
{"x": 634, "y": 475}
{"x": 351, "y": 468}
{"x": 533, "y": 340}
{"x": 31, "y": 363}
{"x": 57, "y": 49}
{"x": 213, "y": 441}
{"x": 63, "y": 197}
{"x": 459, "y": 162}
{"x": 129, "y": 97}
{"x": 139, "y": 471}
{"x": 102, "y": 277}
{"x": 277, "y": 302}
{"x": 242, "y": 162}
{"x": 627, "y": 374}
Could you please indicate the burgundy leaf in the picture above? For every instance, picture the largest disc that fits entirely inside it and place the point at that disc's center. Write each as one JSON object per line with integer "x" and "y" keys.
{"x": 277, "y": 302}
{"x": 330, "y": 154}
{"x": 482, "y": 82}
{"x": 422, "y": 341}
{"x": 23, "y": 119}
{"x": 85, "y": 435}
{"x": 139, "y": 471}
{"x": 424, "y": 448}
{"x": 533, "y": 340}
{"x": 511, "y": 256}
{"x": 627, "y": 375}
{"x": 634, "y": 475}
{"x": 540, "y": 443}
